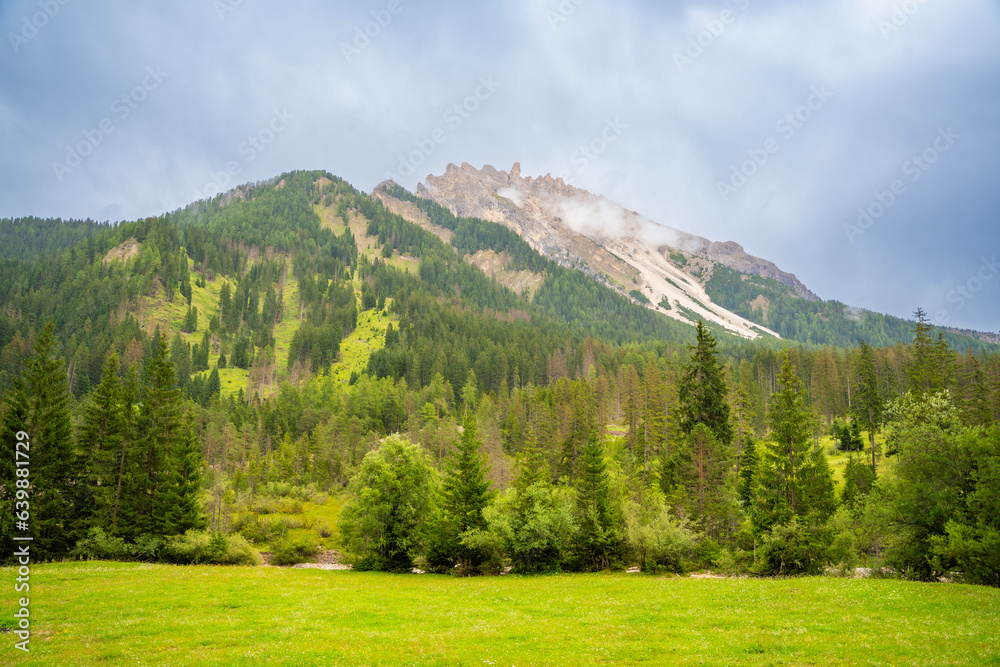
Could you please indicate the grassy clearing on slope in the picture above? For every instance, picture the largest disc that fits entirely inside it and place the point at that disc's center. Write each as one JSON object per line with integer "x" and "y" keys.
{"x": 368, "y": 337}
{"x": 99, "y": 613}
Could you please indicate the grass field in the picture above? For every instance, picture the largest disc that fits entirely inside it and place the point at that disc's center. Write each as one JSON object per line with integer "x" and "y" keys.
{"x": 116, "y": 613}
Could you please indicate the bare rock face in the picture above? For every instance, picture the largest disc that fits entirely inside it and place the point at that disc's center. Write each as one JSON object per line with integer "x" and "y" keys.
{"x": 547, "y": 212}
{"x": 661, "y": 267}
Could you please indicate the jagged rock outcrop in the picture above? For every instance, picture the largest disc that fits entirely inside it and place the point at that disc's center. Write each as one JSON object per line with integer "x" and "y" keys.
{"x": 620, "y": 248}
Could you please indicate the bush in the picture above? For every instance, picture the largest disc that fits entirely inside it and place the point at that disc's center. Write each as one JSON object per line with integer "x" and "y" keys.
{"x": 147, "y": 547}
{"x": 202, "y": 548}
{"x": 98, "y": 545}
{"x": 658, "y": 540}
{"x": 291, "y": 552}
{"x": 258, "y": 530}
{"x": 795, "y": 548}
{"x": 534, "y": 528}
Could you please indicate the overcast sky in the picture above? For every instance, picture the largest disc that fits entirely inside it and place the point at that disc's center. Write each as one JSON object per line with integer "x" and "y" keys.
{"x": 773, "y": 124}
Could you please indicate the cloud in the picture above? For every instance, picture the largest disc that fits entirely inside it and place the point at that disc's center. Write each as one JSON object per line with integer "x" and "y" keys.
{"x": 686, "y": 129}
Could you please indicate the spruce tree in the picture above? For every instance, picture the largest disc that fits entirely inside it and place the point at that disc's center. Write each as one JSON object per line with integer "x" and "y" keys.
{"x": 780, "y": 494}
{"x": 747, "y": 476}
{"x": 923, "y": 374}
{"x": 181, "y": 505}
{"x": 868, "y": 404}
{"x": 38, "y": 405}
{"x": 599, "y": 538}
{"x": 703, "y": 393}
{"x": 704, "y": 467}
{"x": 13, "y": 430}
{"x": 159, "y": 433}
{"x": 101, "y": 438}
{"x": 466, "y": 490}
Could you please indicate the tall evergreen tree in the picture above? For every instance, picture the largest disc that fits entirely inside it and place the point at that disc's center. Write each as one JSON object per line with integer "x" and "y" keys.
{"x": 747, "y": 476}
{"x": 180, "y": 504}
{"x": 159, "y": 434}
{"x": 703, "y": 393}
{"x": 38, "y": 405}
{"x": 923, "y": 374}
{"x": 101, "y": 438}
{"x": 466, "y": 491}
{"x": 599, "y": 538}
{"x": 868, "y": 404}
{"x": 782, "y": 475}
{"x": 704, "y": 468}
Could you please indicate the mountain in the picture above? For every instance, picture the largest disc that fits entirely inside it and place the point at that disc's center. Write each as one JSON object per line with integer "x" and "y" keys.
{"x": 303, "y": 273}
{"x": 675, "y": 273}
{"x": 660, "y": 267}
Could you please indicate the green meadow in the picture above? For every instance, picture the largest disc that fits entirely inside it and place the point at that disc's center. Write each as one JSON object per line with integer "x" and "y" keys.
{"x": 127, "y": 613}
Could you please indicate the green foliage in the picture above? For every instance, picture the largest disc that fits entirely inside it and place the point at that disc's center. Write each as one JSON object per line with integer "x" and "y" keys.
{"x": 598, "y": 542}
{"x": 858, "y": 481}
{"x": 393, "y": 497}
{"x": 782, "y": 473}
{"x": 38, "y": 407}
{"x": 749, "y": 463}
{"x": 795, "y": 547}
{"x": 942, "y": 498}
{"x": 639, "y": 296}
{"x": 659, "y": 540}
{"x": 98, "y": 545}
{"x": 818, "y": 322}
{"x": 293, "y": 551}
{"x": 704, "y": 469}
{"x": 465, "y": 494}
{"x": 533, "y": 527}
{"x": 702, "y": 389}
{"x": 102, "y": 440}
{"x": 204, "y": 548}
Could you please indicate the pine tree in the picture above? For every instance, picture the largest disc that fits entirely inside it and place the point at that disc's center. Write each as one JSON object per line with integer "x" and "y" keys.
{"x": 923, "y": 374}
{"x": 780, "y": 494}
{"x": 466, "y": 490}
{"x": 703, "y": 393}
{"x": 101, "y": 437}
{"x": 14, "y": 437}
{"x": 38, "y": 405}
{"x": 867, "y": 403}
{"x": 654, "y": 415}
{"x": 158, "y": 434}
{"x": 184, "y": 511}
{"x": 599, "y": 537}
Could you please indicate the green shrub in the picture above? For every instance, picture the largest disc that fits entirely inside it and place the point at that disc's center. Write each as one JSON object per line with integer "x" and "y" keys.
{"x": 795, "y": 548}
{"x": 200, "y": 547}
{"x": 291, "y": 552}
{"x": 658, "y": 540}
{"x": 98, "y": 545}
